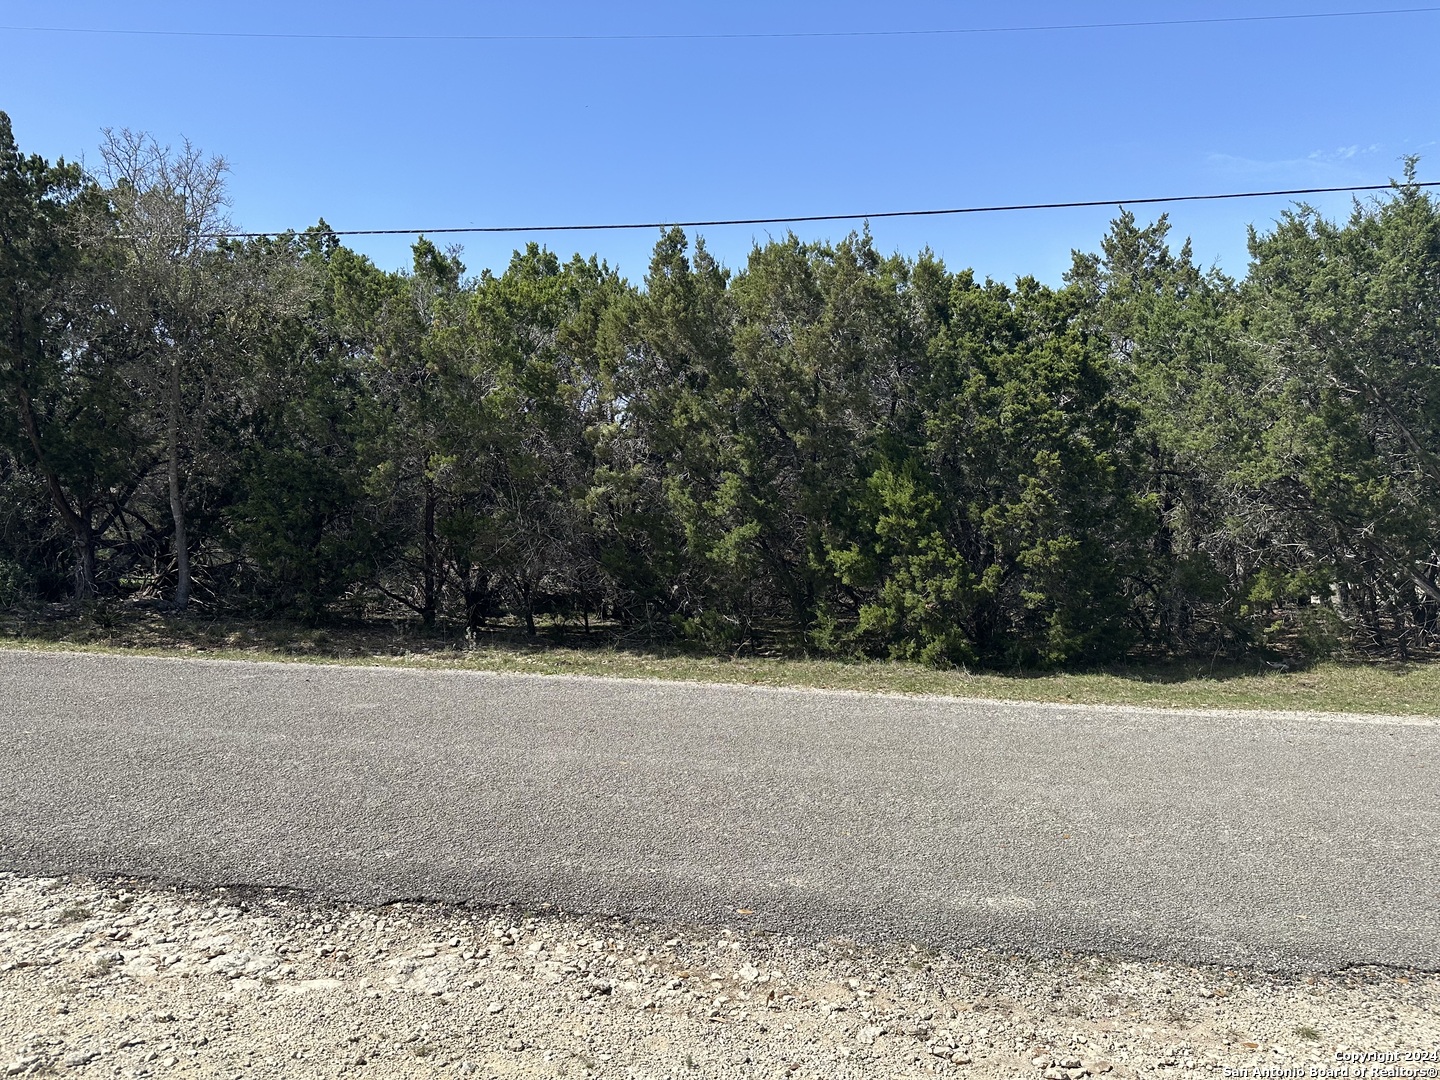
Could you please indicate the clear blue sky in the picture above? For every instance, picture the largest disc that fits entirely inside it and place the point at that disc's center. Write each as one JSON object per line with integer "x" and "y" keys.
{"x": 397, "y": 133}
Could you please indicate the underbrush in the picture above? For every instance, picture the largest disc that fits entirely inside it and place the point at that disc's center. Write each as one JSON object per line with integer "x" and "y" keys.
{"x": 1352, "y": 684}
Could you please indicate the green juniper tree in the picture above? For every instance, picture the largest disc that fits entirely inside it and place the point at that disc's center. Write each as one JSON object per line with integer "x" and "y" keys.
{"x": 69, "y": 418}
{"x": 1347, "y": 320}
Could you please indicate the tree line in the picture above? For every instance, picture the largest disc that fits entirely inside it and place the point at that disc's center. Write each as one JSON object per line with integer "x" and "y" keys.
{"x": 852, "y": 452}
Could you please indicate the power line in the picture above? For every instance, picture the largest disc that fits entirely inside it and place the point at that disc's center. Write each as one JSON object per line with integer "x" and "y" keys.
{"x": 798, "y": 219}
{"x": 760, "y": 36}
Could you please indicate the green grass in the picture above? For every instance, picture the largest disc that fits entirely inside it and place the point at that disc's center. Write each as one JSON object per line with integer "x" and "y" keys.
{"x": 1350, "y": 686}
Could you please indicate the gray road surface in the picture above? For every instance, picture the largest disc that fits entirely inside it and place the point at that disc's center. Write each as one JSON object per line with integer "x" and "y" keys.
{"x": 1281, "y": 841}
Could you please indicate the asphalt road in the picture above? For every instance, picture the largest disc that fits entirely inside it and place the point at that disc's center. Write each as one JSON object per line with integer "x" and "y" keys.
{"x": 1283, "y": 841}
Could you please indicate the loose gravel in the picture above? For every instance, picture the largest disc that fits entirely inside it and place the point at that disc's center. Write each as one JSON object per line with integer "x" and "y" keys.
{"x": 118, "y": 977}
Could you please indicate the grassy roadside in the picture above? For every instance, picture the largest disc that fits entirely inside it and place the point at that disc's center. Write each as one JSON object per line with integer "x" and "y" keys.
{"x": 1351, "y": 686}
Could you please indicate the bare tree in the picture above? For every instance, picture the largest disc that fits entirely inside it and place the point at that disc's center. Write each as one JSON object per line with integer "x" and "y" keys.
{"x": 170, "y": 204}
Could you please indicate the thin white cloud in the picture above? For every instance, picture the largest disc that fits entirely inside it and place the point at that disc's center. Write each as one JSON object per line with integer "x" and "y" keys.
{"x": 1345, "y": 153}
{"x": 1344, "y": 163}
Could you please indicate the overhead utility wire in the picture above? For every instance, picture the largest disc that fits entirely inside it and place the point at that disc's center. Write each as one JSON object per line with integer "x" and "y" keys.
{"x": 760, "y": 36}
{"x": 830, "y": 217}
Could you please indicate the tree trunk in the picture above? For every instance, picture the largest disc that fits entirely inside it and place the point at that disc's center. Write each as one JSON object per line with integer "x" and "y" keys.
{"x": 177, "y": 507}
{"x": 85, "y": 565}
{"x": 476, "y": 589}
{"x": 525, "y": 593}
{"x": 1164, "y": 552}
{"x": 430, "y": 599}
{"x": 1402, "y": 631}
{"x": 78, "y": 520}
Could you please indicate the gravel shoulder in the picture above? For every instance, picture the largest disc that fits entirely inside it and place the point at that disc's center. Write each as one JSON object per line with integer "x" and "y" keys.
{"x": 117, "y": 977}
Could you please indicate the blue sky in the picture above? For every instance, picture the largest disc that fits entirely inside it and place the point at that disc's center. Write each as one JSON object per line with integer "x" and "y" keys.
{"x": 405, "y": 133}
